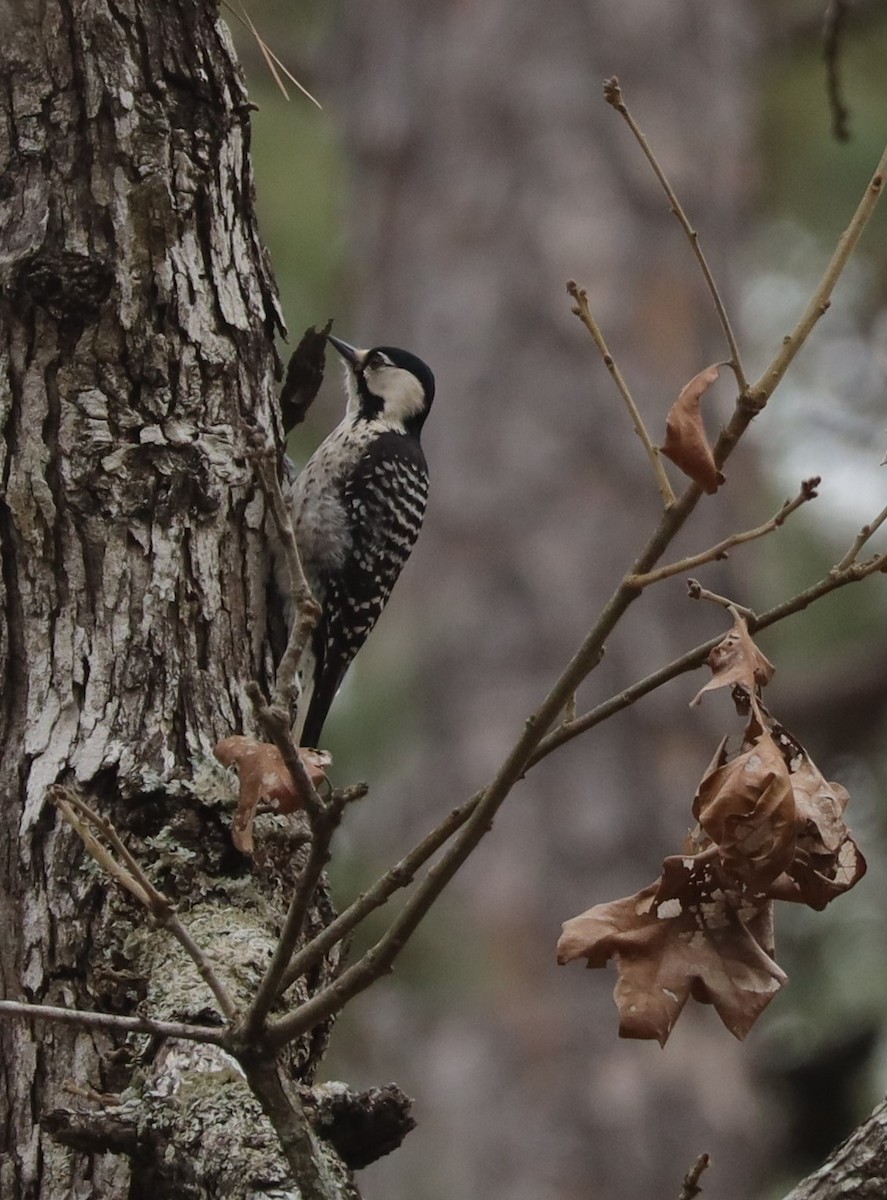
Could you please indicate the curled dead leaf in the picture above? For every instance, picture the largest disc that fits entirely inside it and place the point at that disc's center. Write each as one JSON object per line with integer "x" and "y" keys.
{"x": 746, "y": 805}
{"x": 736, "y": 660}
{"x": 264, "y": 778}
{"x": 686, "y": 442}
{"x": 827, "y": 861}
{"x": 685, "y": 935}
{"x": 778, "y": 825}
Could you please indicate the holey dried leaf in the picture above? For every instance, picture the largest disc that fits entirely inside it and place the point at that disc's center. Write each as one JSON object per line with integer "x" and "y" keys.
{"x": 264, "y": 779}
{"x": 746, "y": 805}
{"x": 686, "y": 442}
{"x": 737, "y": 661}
{"x": 686, "y": 935}
{"x": 827, "y": 862}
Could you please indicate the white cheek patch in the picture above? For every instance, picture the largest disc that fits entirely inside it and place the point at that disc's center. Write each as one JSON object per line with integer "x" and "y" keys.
{"x": 401, "y": 394}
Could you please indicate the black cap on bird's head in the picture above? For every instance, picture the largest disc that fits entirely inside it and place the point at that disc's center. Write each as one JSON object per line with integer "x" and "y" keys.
{"x": 389, "y": 384}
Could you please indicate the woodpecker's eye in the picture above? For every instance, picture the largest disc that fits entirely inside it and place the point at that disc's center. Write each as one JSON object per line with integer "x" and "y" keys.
{"x": 376, "y": 360}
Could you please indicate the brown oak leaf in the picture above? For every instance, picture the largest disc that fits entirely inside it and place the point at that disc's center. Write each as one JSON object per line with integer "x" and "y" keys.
{"x": 685, "y": 935}
{"x": 827, "y": 861}
{"x": 264, "y": 778}
{"x": 746, "y": 805}
{"x": 686, "y": 442}
{"x": 736, "y": 660}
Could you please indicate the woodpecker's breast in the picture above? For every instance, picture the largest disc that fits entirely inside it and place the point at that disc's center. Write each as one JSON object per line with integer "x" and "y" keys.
{"x": 320, "y": 519}
{"x": 358, "y": 506}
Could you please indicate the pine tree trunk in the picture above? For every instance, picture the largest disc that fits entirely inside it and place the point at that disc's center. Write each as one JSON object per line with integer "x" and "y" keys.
{"x": 136, "y": 359}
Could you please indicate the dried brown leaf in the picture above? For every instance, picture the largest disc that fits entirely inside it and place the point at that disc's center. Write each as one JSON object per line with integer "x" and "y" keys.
{"x": 736, "y": 660}
{"x": 746, "y": 805}
{"x": 827, "y": 861}
{"x": 686, "y": 442}
{"x": 686, "y": 935}
{"x": 264, "y": 779}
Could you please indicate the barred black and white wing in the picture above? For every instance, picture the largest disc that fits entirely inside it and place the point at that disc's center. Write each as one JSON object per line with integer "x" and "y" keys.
{"x": 384, "y": 500}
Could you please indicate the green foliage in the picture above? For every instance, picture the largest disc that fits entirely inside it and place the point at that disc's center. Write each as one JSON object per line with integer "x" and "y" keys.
{"x": 299, "y": 181}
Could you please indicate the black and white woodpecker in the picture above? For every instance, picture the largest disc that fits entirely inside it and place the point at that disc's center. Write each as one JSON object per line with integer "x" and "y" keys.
{"x": 357, "y": 508}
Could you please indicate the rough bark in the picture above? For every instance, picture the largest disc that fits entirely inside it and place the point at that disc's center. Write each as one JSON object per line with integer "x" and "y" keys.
{"x": 857, "y": 1168}
{"x": 136, "y": 357}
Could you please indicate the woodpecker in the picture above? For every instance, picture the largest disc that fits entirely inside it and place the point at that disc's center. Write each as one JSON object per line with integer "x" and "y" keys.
{"x": 357, "y": 508}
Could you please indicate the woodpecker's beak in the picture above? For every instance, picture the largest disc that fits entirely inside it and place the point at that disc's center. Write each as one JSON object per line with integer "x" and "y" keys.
{"x": 351, "y": 354}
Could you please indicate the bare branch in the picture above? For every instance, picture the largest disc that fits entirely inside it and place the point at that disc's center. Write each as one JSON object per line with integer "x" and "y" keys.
{"x": 696, "y": 591}
{"x": 613, "y": 95}
{"x": 695, "y": 658}
{"x": 275, "y": 721}
{"x": 399, "y": 876}
{"x": 691, "y": 1187}
{"x": 532, "y": 743}
{"x": 280, "y": 1100}
{"x": 583, "y": 312}
{"x": 307, "y": 610}
{"x": 835, "y": 26}
{"x": 760, "y": 392}
{"x": 530, "y": 748}
{"x": 324, "y": 823}
{"x": 862, "y": 537}
{"x": 80, "y": 817}
{"x": 120, "y": 1024}
{"x": 807, "y": 492}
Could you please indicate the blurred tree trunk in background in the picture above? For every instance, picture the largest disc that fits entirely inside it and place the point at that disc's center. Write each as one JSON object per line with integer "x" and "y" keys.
{"x": 486, "y": 172}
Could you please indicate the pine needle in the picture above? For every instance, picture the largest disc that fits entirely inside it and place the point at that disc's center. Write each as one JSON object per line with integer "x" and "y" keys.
{"x": 271, "y": 59}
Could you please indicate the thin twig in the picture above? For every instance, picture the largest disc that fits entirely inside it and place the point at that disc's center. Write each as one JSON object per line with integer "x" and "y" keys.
{"x": 307, "y": 610}
{"x": 379, "y": 959}
{"x": 760, "y": 392}
{"x": 399, "y": 876}
{"x": 691, "y": 1187}
{"x": 583, "y": 312}
{"x": 121, "y": 1024}
{"x": 807, "y": 492}
{"x": 323, "y": 826}
{"x": 695, "y": 658}
{"x": 862, "y": 537}
{"x": 72, "y": 809}
{"x": 696, "y": 591}
{"x": 80, "y": 817}
{"x": 613, "y": 96}
{"x": 324, "y": 818}
{"x": 832, "y": 36}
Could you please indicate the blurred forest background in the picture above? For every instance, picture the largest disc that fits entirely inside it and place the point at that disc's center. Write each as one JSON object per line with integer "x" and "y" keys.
{"x": 463, "y": 167}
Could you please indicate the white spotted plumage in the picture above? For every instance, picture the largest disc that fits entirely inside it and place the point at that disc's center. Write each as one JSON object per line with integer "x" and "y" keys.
{"x": 357, "y": 510}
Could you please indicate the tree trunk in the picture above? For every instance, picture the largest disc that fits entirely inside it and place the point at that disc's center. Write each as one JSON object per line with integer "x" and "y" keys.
{"x": 136, "y": 359}
{"x": 857, "y": 1168}
{"x": 486, "y": 171}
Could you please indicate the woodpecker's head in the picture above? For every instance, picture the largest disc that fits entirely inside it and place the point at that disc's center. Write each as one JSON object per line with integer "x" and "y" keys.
{"x": 387, "y": 384}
